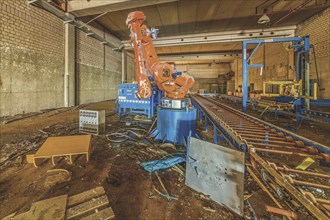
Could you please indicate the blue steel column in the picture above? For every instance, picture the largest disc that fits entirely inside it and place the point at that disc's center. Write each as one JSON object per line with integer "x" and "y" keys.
{"x": 206, "y": 124}
{"x": 307, "y": 72}
{"x": 215, "y": 134}
{"x": 245, "y": 76}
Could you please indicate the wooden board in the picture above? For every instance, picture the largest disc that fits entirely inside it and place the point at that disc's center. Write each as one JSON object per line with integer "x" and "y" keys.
{"x": 84, "y": 196}
{"x": 30, "y": 158}
{"x": 81, "y": 205}
{"x": 64, "y": 146}
{"x": 104, "y": 214}
{"x": 22, "y": 216}
{"x": 53, "y": 208}
{"x": 86, "y": 207}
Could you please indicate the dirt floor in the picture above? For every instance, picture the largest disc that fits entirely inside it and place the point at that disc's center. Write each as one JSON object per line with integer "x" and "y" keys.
{"x": 129, "y": 188}
{"x": 116, "y": 167}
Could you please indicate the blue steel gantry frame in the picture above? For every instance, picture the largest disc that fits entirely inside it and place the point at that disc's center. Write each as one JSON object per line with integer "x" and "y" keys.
{"x": 299, "y": 48}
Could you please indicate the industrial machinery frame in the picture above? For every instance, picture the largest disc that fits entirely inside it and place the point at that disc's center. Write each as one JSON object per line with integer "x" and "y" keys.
{"x": 301, "y": 45}
{"x": 263, "y": 142}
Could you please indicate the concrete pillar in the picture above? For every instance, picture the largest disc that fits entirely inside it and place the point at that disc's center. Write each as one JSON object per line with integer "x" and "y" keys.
{"x": 123, "y": 66}
{"x": 69, "y": 74}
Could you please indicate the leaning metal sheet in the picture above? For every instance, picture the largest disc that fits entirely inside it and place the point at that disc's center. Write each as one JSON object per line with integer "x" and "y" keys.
{"x": 216, "y": 171}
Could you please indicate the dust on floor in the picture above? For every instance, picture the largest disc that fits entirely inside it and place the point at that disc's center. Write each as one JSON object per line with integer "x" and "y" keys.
{"x": 130, "y": 189}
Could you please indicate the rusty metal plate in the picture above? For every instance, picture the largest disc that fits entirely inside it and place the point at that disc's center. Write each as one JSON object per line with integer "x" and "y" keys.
{"x": 216, "y": 171}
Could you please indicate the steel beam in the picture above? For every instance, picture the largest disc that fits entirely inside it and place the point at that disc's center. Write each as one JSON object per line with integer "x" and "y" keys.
{"x": 228, "y": 57}
{"x": 221, "y": 37}
{"x": 85, "y": 8}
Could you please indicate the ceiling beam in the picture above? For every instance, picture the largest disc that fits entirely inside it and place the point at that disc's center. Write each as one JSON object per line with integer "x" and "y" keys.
{"x": 221, "y": 37}
{"x": 82, "y": 8}
{"x": 200, "y": 62}
{"x": 200, "y": 58}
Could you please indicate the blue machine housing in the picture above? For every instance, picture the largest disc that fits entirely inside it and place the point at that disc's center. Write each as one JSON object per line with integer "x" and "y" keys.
{"x": 173, "y": 125}
{"x": 129, "y": 103}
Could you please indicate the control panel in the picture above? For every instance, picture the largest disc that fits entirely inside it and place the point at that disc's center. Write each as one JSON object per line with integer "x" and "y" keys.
{"x": 92, "y": 121}
{"x": 175, "y": 103}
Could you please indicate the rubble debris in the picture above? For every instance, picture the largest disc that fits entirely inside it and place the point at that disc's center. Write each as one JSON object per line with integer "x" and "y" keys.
{"x": 209, "y": 209}
{"x": 154, "y": 165}
{"x": 20, "y": 117}
{"x": 305, "y": 163}
{"x": 91, "y": 204}
{"x": 57, "y": 176}
{"x": 44, "y": 132}
{"x": 161, "y": 183}
{"x": 165, "y": 195}
{"x": 168, "y": 145}
{"x": 53, "y": 208}
{"x": 10, "y": 152}
{"x": 283, "y": 212}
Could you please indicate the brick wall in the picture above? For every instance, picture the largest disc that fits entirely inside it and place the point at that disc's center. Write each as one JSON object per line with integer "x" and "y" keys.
{"x": 98, "y": 66}
{"x": 277, "y": 60}
{"x": 130, "y": 74}
{"x": 318, "y": 28}
{"x": 32, "y": 61}
{"x": 32, "y": 58}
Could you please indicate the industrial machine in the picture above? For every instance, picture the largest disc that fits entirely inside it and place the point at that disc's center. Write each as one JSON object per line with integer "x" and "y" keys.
{"x": 176, "y": 117}
{"x": 301, "y": 93}
{"x": 128, "y": 102}
{"x": 288, "y": 88}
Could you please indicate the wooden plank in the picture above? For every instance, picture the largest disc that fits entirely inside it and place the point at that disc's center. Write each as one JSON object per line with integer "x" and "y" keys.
{"x": 22, "y": 216}
{"x": 104, "y": 214}
{"x": 84, "y": 196}
{"x": 53, "y": 208}
{"x": 85, "y": 207}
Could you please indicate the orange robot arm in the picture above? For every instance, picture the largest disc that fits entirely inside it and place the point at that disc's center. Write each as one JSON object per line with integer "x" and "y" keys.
{"x": 174, "y": 85}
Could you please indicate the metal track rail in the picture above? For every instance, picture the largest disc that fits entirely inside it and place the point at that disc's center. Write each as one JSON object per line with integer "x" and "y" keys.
{"x": 267, "y": 146}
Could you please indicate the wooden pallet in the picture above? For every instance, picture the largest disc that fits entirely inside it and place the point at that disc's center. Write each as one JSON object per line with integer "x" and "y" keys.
{"x": 89, "y": 205}
{"x": 66, "y": 146}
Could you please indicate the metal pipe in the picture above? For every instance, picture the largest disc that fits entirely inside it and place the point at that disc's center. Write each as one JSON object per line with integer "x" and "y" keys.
{"x": 261, "y": 133}
{"x": 286, "y": 169}
{"x": 289, "y": 153}
{"x": 287, "y": 213}
{"x": 252, "y": 130}
{"x": 306, "y": 150}
{"x": 262, "y": 137}
{"x": 304, "y": 183}
{"x": 253, "y": 140}
{"x": 301, "y": 6}
{"x": 244, "y": 127}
